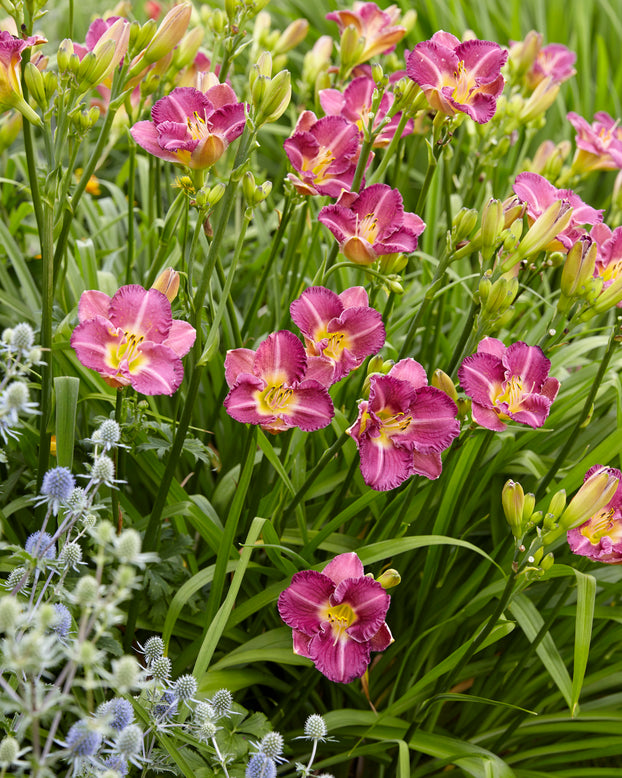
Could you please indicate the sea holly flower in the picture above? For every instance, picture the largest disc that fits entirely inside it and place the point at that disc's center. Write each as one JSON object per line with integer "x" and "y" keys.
{"x": 508, "y": 384}
{"x": 599, "y": 145}
{"x": 403, "y": 427}
{"x": 600, "y": 537}
{"x": 539, "y": 194}
{"x": 355, "y": 104}
{"x": 340, "y": 331}
{"x": 324, "y": 153}
{"x": 459, "y": 77}
{"x": 132, "y": 338}
{"x": 269, "y": 386}
{"x": 337, "y": 617}
{"x": 11, "y": 95}
{"x": 372, "y": 223}
{"x": 192, "y": 128}
{"x": 377, "y": 27}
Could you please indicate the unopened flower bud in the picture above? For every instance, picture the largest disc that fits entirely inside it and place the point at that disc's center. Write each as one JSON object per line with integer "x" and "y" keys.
{"x": 578, "y": 268}
{"x": 528, "y": 506}
{"x": 558, "y": 503}
{"x": 463, "y": 224}
{"x": 492, "y": 224}
{"x": 442, "y": 381}
{"x": 595, "y": 493}
{"x": 351, "y": 47}
{"x": 169, "y": 33}
{"x": 35, "y": 84}
{"x": 168, "y": 283}
{"x": 547, "y": 562}
{"x": 291, "y": 36}
{"x": 540, "y": 101}
{"x": 64, "y": 55}
{"x": 272, "y": 98}
{"x": 185, "y": 53}
{"x": 513, "y": 501}
{"x": 544, "y": 230}
{"x": 317, "y": 60}
{"x": 389, "y": 578}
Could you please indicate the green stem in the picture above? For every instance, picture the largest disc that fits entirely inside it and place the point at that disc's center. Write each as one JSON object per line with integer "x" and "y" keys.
{"x": 114, "y": 493}
{"x": 389, "y": 151}
{"x": 46, "y": 231}
{"x": 361, "y": 165}
{"x": 434, "y": 154}
{"x": 583, "y": 416}
{"x": 129, "y": 260}
{"x": 288, "y": 209}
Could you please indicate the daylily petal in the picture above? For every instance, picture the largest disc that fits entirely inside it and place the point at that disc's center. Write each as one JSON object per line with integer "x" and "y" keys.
{"x": 344, "y": 566}
{"x": 434, "y": 424}
{"x": 93, "y": 303}
{"x": 383, "y": 465}
{"x": 368, "y": 600}
{"x": 339, "y": 660}
{"x": 242, "y": 404}
{"x": 93, "y": 340}
{"x": 429, "y": 62}
{"x": 481, "y": 377}
{"x": 428, "y": 465}
{"x": 487, "y": 417}
{"x": 491, "y": 346}
{"x": 528, "y": 362}
{"x": 146, "y": 135}
{"x": 312, "y": 409}
{"x": 142, "y": 312}
{"x": 410, "y": 370}
{"x": 280, "y": 358}
{"x": 237, "y": 361}
{"x": 181, "y": 337}
{"x": 354, "y": 297}
{"x": 301, "y": 643}
{"x": 303, "y": 600}
{"x": 534, "y": 410}
{"x": 390, "y": 395}
{"x": 158, "y": 370}
{"x": 363, "y": 328}
{"x": 312, "y": 311}
{"x": 382, "y": 639}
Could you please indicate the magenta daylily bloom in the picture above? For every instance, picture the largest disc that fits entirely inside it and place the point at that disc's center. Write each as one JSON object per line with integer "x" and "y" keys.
{"x": 324, "y": 153}
{"x": 600, "y": 537}
{"x": 539, "y": 194}
{"x": 11, "y": 95}
{"x": 459, "y": 77}
{"x": 403, "y": 427}
{"x": 340, "y": 331}
{"x": 506, "y": 384}
{"x": 192, "y": 128}
{"x": 337, "y": 617}
{"x": 608, "y": 255}
{"x": 355, "y": 103}
{"x": 377, "y": 27}
{"x": 132, "y": 338}
{"x": 372, "y": 223}
{"x": 599, "y": 145}
{"x": 269, "y": 386}
{"x": 555, "y": 61}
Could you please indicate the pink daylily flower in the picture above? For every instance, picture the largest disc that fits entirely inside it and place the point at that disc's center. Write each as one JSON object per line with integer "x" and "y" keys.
{"x": 324, "y": 153}
{"x": 403, "y": 427}
{"x": 192, "y": 128}
{"x": 132, "y": 338}
{"x": 372, "y": 223}
{"x": 459, "y": 77}
{"x": 11, "y": 95}
{"x": 506, "y": 384}
{"x": 340, "y": 331}
{"x": 539, "y": 194}
{"x": 608, "y": 255}
{"x": 376, "y": 26}
{"x": 600, "y": 537}
{"x": 355, "y": 103}
{"x": 337, "y": 617}
{"x": 555, "y": 61}
{"x": 269, "y": 386}
{"x": 599, "y": 145}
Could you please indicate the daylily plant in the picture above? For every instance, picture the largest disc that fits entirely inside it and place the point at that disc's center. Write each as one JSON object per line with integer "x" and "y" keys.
{"x": 11, "y": 95}
{"x": 539, "y": 194}
{"x": 324, "y": 153}
{"x": 403, "y": 427}
{"x": 269, "y": 386}
{"x": 355, "y": 104}
{"x": 132, "y": 338}
{"x": 192, "y": 128}
{"x": 340, "y": 331}
{"x": 508, "y": 384}
{"x": 600, "y": 537}
{"x": 599, "y": 145}
{"x": 372, "y": 223}
{"x": 459, "y": 77}
{"x": 337, "y": 617}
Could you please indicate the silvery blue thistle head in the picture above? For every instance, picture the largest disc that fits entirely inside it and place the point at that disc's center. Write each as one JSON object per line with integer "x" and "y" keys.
{"x": 83, "y": 739}
{"x": 117, "y": 763}
{"x": 62, "y": 625}
{"x": 102, "y": 471}
{"x": 70, "y": 556}
{"x": 261, "y": 766}
{"x": 22, "y": 338}
{"x": 118, "y": 713}
{"x": 222, "y": 702}
{"x": 204, "y": 712}
{"x": 153, "y": 648}
{"x": 17, "y": 576}
{"x": 16, "y": 399}
{"x": 58, "y": 483}
{"x": 41, "y": 545}
{"x": 166, "y": 707}
{"x": 185, "y": 687}
{"x": 315, "y": 727}
{"x": 107, "y": 435}
{"x": 129, "y": 743}
{"x": 77, "y": 502}
{"x": 272, "y": 746}
{"x": 160, "y": 669}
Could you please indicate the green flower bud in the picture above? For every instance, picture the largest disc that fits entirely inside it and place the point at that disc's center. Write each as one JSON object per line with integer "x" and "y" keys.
{"x": 595, "y": 493}
{"x": 389, "y": 578}
{"x": 291, "y": 36}
{"x": 463, "y": 224}
{"x": 351, "y": 47}
{"x": 169, "y": 33}
{"x": 35, "y": 85}
{"x": 528, "y": 506}
{"x": 558, "y": 503}
{"x": 492, "y": 223}
{"x": 513, "y": 501}
{"x": 442, "y": 381}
